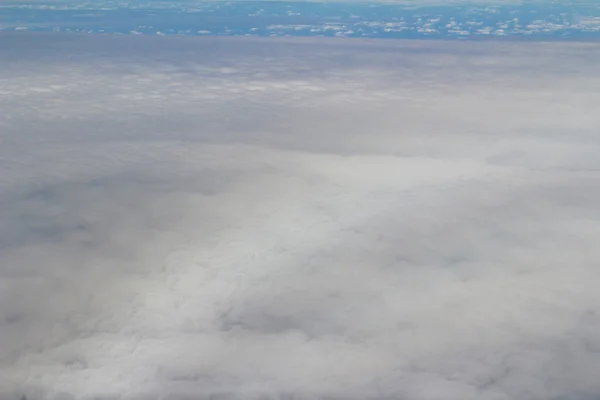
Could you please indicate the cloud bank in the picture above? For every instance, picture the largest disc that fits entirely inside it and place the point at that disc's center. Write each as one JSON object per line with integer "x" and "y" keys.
{"x": 188, "y": 218}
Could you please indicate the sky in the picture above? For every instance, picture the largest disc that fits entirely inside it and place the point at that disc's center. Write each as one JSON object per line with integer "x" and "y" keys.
{"x": 245, "y": 218}
{"x": 407, "y": 2}
{"x": 530, "y": 21}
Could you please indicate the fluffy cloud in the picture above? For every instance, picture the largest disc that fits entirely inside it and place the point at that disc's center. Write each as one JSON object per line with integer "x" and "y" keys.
{"x": 191, "y": 218}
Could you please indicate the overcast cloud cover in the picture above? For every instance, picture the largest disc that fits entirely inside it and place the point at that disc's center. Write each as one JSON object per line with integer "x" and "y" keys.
{"x": 194, "y": 218}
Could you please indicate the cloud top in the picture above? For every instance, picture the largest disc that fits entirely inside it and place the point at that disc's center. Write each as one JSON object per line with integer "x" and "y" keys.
{"x": 240, "y": 218}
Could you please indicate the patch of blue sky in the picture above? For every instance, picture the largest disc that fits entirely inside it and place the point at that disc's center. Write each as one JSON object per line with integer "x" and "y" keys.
{"x": 551, "y": 21}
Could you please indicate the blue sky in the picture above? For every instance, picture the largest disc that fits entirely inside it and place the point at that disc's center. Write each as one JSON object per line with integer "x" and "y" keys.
{"x": 529, "y": 21}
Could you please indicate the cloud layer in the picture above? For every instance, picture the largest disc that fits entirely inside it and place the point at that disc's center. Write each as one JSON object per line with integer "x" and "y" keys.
{"x": 187, "y": 218}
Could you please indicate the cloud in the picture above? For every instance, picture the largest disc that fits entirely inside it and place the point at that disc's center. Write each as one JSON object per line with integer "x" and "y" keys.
{"x": 295, "y": 218}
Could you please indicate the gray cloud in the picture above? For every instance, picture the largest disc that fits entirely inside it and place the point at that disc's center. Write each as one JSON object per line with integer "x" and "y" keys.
{"x": 247, "y": 218}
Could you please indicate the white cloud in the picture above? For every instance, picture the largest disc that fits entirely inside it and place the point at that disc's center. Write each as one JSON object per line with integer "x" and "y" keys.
{"x": 185, "y": 218}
